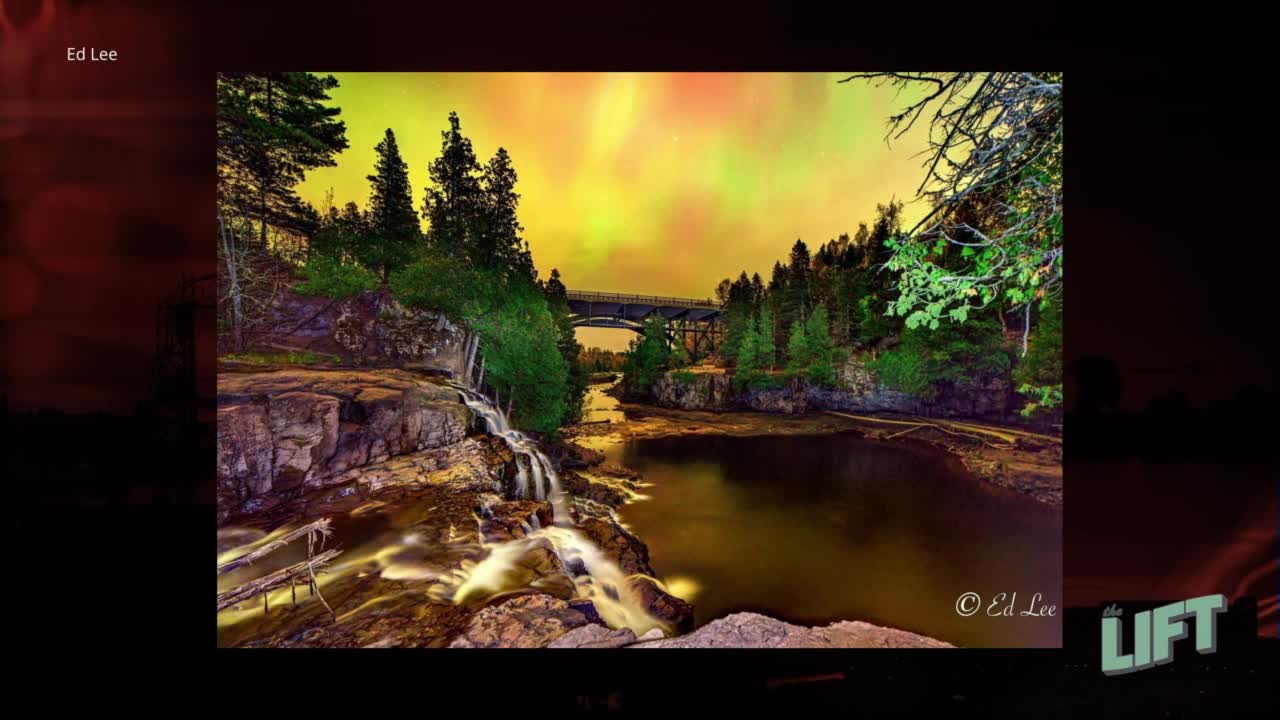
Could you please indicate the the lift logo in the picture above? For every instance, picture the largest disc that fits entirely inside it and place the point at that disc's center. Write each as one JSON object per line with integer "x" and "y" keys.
{"x": 1155, "y": 632}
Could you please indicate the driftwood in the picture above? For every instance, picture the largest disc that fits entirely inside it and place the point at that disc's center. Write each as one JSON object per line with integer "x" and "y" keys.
{"x": 323, "y": 526}
{"x": 280, "y": 578}
{"x": 973, "y": 432}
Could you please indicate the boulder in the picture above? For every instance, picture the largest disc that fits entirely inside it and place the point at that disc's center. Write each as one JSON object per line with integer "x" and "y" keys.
{"x": 514, "y": 519}
{"x": 685, "y": 390}
{"x": 632, "y": 556}
{"x": 651, "y": 634}
{"x": 594, "y": 636}
{"x": 576, "y": 456}
{"x": 601, "y": 487}
{"x": 752, "y": 630}
{"x": 525, "y": 621}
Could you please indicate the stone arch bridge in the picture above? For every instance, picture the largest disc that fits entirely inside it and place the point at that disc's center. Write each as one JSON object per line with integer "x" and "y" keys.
{"x": 696, "y": 321}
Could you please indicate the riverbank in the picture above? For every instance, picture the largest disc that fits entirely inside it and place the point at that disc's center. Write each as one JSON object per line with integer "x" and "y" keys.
{"x": 432, "y": 539}
{"x": 1013, "y": 458}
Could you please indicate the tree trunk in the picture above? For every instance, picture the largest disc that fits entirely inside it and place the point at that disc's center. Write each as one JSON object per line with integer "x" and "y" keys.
{"x": 237, "y": 316}
{"x": 262, "y": 208}
{"x": 472, "y": 342}
{"x": 1026, "y": 329}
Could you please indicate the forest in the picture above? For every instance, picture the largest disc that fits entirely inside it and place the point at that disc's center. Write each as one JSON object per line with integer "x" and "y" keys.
{"x": 398, "y": 378}
{"x": 471, "y": 264}
{"x": 974, "y": 287}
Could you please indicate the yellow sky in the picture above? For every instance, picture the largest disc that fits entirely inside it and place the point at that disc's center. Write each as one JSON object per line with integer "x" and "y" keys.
{"x": 648, "y": 183}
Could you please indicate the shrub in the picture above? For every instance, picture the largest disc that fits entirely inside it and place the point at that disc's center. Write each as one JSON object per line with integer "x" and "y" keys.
{"x": 647, "y": 357}
{"x": 324, "y": 276}
{"x": 1038, "y": 374}
{"x": 684, "y": 377}
{"x": 902, "y": 370}
{"x": 953, "y": 351}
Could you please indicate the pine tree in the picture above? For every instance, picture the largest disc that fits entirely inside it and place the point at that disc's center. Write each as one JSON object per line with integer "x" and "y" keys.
{"x": 737, "y": 314}
{"x": 798, "y": 300}
{"x": 272, "y": 129}
{"x": 821, "y": 366}
{"x": 647, "y": 356}
{"x": 748, "y": 370}
{"x": 568, "y": 345}
{"x": 798, "y": 354}
{"x": 498, "y": 243}
{"x": 454, "y": 203}
{"x": 393, "y": 225}
{"x": 680, "y": 353}
{"x": 768, "y": 350}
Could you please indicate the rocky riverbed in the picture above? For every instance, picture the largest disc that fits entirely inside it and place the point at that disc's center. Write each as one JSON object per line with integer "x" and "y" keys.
{"x": 436, "y": 551}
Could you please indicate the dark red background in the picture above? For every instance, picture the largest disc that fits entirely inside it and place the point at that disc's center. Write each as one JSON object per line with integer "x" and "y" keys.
{"x": 107, "y": 191}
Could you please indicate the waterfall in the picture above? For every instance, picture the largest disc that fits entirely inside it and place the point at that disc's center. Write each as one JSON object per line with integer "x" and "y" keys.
{"x": 546, "y": 482}
{"x": 604, "y": 583}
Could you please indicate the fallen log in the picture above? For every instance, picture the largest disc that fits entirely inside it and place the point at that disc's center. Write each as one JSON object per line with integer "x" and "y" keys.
{"x": 928, "y": 423}
{"x": 323, "y": 526}
{"x": 280, "y": 578}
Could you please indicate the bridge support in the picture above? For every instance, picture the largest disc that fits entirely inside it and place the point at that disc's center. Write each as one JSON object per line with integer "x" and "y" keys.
{"x": 695, "y": 322}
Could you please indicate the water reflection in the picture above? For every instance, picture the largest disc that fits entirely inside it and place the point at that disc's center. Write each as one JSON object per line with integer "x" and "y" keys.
{"x": 814, "y": 529}
{"x": 600, "y": 407}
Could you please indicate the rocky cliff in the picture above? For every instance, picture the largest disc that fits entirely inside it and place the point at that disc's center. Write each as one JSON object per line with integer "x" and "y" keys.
{"x": 285, "y": 432}
{"x": 988, "y": 397}
{"x": 369, "y": 329}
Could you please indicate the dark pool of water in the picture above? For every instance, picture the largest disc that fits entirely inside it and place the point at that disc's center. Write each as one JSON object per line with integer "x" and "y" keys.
{"x": 814, "y": 529}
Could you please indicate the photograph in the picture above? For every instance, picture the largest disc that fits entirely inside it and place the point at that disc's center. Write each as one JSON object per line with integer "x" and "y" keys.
{"x": 639, "y": 359}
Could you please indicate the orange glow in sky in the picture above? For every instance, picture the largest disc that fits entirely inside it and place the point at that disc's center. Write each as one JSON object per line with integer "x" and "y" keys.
{"x": 648, "y": 183}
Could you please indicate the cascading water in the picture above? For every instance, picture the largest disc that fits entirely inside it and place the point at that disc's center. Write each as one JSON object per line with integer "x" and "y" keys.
{"x": 604, "y": 583}
{"x": 546, "y": 482}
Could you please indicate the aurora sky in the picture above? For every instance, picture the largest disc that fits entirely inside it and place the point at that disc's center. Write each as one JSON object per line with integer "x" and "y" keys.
{"x": 648, "y": 183}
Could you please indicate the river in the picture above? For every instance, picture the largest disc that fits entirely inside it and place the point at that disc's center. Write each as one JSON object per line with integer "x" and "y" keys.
{"x": 818, "y": 528}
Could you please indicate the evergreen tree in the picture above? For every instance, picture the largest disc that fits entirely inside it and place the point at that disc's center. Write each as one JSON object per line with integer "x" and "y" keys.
{"x": 454, "y": 203}
{"x": 647, "y": 357}
{"x": 568, "y": 345}
{"x": 747, "y": 373}
{"x": 796, "y": 301}
{"x": 340, "y": 233}
{"x": 736, "y": 315}
{"x": 272, "y": 129}
{"x": 680, "y": 353}
{"x": 498, "y": 243}
{"x": 767, "y": 349}
{"x": 821, "y": 366}
{"x": 798, "y": 354}
{"x": 394, "y": 231}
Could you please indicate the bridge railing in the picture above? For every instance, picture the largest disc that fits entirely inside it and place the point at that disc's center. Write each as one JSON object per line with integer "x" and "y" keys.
{"x": 601, "y": 297}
